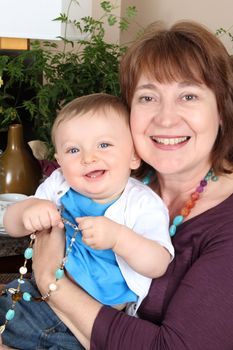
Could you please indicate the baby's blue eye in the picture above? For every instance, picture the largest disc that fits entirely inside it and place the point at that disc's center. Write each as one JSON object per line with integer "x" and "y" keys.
{"x": 104, "y": 145}
{"x": 73, "y": 150}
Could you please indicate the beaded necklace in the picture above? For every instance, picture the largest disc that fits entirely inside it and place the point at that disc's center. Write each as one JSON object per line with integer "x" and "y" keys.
{"x": 178, "y": 219}
{"x": 17, "y": 294}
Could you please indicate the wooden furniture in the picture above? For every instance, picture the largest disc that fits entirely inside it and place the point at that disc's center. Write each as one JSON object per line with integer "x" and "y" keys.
{"x": 11, "y": 253}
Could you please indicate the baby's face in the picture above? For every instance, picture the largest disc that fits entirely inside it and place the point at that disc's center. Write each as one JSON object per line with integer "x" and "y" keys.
{"x": 96, "y": 154}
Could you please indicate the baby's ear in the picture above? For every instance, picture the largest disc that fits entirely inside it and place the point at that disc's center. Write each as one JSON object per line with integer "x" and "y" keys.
{"x": 135, "y": 161}
{"x": 56, "y": 157}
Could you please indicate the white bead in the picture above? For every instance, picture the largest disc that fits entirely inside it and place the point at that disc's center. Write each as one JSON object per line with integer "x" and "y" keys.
{"x": 23, "y": 270}
{"x": 33, "y": 236}
{"x": 12, "y": 290}
{"x": 52, "y": 287}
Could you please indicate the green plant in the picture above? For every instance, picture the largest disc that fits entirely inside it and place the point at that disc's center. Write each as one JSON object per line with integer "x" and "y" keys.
{"x": 226, "y": 36}
{"x": 54, "y": 77}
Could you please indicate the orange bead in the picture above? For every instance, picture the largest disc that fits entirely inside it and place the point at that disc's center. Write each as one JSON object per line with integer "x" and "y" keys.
{"x": 185, "y": 211}
{"x": 17, "y": 296}
{"x": 190, "y": 203}
{"x": 195, "y": 196}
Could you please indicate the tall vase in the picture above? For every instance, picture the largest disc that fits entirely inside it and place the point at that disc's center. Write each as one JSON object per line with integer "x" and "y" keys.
{"x": 20, "y": 171}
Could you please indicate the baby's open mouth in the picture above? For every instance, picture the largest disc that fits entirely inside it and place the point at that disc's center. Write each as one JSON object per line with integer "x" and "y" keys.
{"x": 95, "y": 173}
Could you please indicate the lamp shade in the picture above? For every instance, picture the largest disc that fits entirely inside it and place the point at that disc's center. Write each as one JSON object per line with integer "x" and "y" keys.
{"x": 33, "y": 19}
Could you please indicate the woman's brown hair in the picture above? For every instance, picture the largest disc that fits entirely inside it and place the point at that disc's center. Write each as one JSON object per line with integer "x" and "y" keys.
{"x": 185, "y": 51}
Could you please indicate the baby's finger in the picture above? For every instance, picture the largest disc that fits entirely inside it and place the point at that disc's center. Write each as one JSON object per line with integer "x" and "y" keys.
{"x": 89, "y": 241}
{"x": 29, "y": 225}
{"x": 87, "y": 233}
{"x": 54, "y": 219}
{"x": 84, "y": 224}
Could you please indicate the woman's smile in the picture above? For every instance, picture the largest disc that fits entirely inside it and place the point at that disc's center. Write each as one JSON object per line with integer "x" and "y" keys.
{"x": 169, "y": 142}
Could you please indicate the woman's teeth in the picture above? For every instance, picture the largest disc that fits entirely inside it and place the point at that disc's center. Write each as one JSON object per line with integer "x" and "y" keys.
{"x": 170, "y": 141}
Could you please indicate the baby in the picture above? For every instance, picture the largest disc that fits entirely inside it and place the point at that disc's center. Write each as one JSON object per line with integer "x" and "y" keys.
{"x": 124, "y": 240}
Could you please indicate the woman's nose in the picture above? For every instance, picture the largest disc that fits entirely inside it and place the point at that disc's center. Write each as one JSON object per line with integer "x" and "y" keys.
{"x": 167, "y": 115}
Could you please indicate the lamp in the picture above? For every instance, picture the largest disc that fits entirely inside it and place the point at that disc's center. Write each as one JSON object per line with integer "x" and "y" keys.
{"x": 33, "y": 19}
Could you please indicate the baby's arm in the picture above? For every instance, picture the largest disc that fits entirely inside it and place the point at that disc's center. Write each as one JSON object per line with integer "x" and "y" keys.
{"x": 144, "y": 255}
{"x": 30, "y": 215}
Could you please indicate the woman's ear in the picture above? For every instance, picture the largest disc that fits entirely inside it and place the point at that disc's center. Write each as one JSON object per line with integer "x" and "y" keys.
{"x": 135, "y": 161}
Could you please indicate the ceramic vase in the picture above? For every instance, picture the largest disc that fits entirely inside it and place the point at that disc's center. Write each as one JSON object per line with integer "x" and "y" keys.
{"x": 20, "y": 171}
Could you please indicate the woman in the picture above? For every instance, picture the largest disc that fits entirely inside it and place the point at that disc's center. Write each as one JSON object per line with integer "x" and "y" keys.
{"x": 178, "y": 84}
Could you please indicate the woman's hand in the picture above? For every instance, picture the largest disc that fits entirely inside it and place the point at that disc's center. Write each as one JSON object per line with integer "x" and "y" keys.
{"x": 49, "y": 249}
{"x": 48, "y": 253}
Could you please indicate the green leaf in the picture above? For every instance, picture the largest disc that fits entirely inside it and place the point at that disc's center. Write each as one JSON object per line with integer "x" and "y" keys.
{"x": 62, "y": 18}
{"x": 131, "y": 11}
{"x": 112, "y": 20}
{"x": 106, "y": 6}
{"x": 123, "y": 24}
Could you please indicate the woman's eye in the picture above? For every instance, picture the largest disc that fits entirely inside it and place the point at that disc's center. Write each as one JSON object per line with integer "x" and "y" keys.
{"x": 146, "y": 99}
{"x": 104, "y": 145}
{"x": 73, "y": 150}
{"x": 189, "y": 97}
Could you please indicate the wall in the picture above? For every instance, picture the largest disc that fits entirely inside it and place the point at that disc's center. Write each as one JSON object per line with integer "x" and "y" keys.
{"x": 212, "y": 13}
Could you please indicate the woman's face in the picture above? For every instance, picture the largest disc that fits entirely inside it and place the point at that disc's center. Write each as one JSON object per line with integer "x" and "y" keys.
{"x": 174, "y": 125}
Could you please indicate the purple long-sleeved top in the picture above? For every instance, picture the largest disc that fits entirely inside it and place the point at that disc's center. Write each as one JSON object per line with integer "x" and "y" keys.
{"x": 191, "y": 306}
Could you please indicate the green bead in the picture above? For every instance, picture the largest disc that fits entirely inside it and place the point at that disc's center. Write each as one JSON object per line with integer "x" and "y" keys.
{"x": 27, "y": 296}
{"x": 59, "y": 274}
{"x": 28, "y": 253}
{"x": 214, "y": 178}
{"x": 172, "y": 230}
{"x": 10, "y": 315}
{"x": 178, "y": 220}
{"x": 146, "y": 180}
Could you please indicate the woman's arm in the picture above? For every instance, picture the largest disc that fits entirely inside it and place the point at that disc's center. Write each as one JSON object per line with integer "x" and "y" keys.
{"x": 198, "y": 313}
{"x": 71, "y": 304}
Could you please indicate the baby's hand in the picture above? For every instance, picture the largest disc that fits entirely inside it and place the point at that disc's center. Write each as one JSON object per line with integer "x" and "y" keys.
{"x": 99, "y": 232}
{"x": 41, "y": 215}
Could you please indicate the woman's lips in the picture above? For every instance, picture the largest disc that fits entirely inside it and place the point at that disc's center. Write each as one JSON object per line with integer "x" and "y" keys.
{"x": 170, "y": 143}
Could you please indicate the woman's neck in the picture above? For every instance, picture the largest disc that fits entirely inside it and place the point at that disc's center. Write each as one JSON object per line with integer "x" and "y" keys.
{"x": 175, "y": 190}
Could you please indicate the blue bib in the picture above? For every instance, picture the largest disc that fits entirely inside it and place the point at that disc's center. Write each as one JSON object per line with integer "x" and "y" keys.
{"x": 96, "y": 271}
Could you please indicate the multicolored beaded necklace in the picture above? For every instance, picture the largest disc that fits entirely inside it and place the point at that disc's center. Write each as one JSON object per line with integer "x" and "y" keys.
{"x": 178, "y": 219}
{"x": 17, "y": 294}
{"x": 185, "y": 211}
